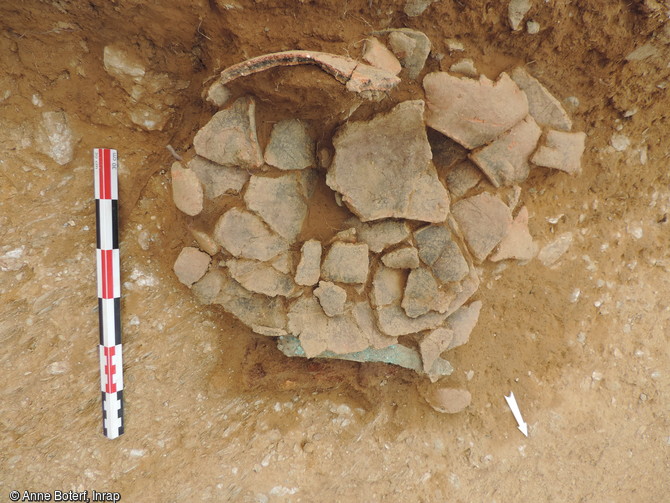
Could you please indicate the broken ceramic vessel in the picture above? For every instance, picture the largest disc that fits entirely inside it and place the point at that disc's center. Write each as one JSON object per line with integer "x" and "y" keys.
{"x": 395, "y": 282}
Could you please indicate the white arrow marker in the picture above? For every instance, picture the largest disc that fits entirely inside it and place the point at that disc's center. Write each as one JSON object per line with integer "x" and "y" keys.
{"x": 511, "y": 401}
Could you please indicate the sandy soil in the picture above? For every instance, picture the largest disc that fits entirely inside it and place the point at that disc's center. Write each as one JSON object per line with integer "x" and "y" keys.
{"x": 215, "y": 413}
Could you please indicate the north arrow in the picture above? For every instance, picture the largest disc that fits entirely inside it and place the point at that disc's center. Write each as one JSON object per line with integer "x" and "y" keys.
{"x": 511, "y": 401}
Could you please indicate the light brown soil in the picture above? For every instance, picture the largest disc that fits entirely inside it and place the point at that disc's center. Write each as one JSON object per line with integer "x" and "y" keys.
{"x": 215, "y": 413}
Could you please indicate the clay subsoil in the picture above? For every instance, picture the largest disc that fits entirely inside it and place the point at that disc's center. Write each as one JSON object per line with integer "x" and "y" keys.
{"x": 216, "y": 413}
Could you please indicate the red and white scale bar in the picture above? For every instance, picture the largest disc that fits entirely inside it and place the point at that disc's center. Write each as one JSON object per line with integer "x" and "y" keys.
{"x": 109, "y": 289}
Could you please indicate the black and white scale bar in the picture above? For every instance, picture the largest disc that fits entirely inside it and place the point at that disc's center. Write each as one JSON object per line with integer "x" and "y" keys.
{"x": 109, "y": 289}
{"x": 112, "y": 425}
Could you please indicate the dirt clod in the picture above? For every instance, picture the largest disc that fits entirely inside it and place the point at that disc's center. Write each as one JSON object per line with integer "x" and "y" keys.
{"x": 448, "y": 400}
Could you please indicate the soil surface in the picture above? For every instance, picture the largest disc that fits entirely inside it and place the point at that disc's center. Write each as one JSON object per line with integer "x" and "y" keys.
{"x": 216, "y": 413}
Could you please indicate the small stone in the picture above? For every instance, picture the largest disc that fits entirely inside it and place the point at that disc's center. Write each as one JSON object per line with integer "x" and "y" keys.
{"x": 574, "y": 296}
{"x": 217, "y": 179}
{"x": 448, "y": 400}
{"x": 205, "y": 242}
{"x": 54, "y": 137}
{"x": 420, "y": 294}
{"x": 553, "y": 251}
{"x": 402, "y": 258}
{"x": 244, "y": 235}
{"x": 635, "y": 231}
{"x": 144, "y": 239}
{"x": 563, "y": 151}
{"x": 643, "y": 52}
{"x": 516, "y": 11}
{"x": 462, "y": 322}
{"x": 533, "y": 27}
{"x": 260, "y": 277}
{"x": 473, "y": 112}
{"x": 572, "y": 102}
{"x": 149, "y": 118}
{"x": 465, "y": 67}
{"x": 388, "y": 286}
{"x": 505, "y": 160}
{"x": 379, "y": 56}
{"x": 414, "y": 8}
{"x": 15, "y": 253}
{"x": 191, "y": 265}
{"x": 484, "y": 220}
{"x": 118, "y": 62}
{"x": 381, "y": 234}
{"x": 412, "y": 49}
{"x": 309, "y": 267}
{"x": 454, "y": 45}
{"x": 346, "y": 263}
{"x": 218, "y": 94}
{"x": 151, "y": 94}
{"x": 438, "y": 250}
{"x": 290, "y": 146}
{"x": 279, "y": 202}
{"x": 542, "y": 105}
{"x": 518, "y": 243}
{"x": 186, "y": 189}
{"x": 644, "y": 156}
{"x": 229, "y": 138}
{"x": 383, "y": 167}
{"x": 462, "y": 177}
{"x": 331, "y": 297}
{"x": 57, "y": 368}
{"x": 393, "y": 321}
{"x": 620, "y": 142}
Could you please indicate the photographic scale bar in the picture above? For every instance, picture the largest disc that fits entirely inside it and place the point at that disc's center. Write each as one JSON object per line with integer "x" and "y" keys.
{"x": 105, "y": 164}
